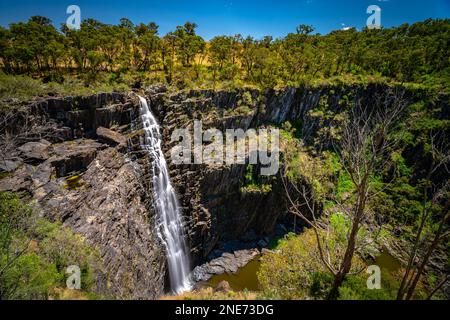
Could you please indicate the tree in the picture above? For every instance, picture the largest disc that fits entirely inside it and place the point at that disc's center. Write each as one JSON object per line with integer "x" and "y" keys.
{"x": 189, "y": 44}
{"x": 425, "y": 243}
{"x": 248, "y": 57}
{"x": 305, "y": 29}
{"x": 147, "y": 46}
{"x": 6, "y": 50}
{"x": 220, "y": 52}
{"x": 168, "y": 52}
{"x": 365, "y": 142}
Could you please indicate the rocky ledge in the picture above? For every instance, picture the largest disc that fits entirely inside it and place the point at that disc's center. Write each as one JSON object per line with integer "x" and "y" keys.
{"x": 85, "y": 174}
{"x": 230, "y": 256}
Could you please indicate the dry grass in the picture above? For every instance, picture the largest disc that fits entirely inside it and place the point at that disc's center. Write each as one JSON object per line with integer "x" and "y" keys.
{"x": 209, "y": 294}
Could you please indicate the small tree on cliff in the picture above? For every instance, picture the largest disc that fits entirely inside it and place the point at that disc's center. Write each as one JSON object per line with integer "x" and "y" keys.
{"x": 363, "y": 148}
{"x": 433, "y": 229}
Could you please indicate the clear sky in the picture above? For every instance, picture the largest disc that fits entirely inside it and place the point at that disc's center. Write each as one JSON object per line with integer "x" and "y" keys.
{"x": 247, "y": 17}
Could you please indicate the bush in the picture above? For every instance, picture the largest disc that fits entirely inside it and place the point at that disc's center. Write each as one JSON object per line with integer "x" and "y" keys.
{"x": 355, "y": 288}
{"x": 30, "y": 277}
{"x": 34, "y": 253}
{"x": 64, "y": 248}
{"x": 295, "y": 270}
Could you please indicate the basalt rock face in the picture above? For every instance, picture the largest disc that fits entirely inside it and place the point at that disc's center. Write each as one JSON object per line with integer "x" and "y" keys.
{"x": 88, "y": 179}
{"x": 216, "y": 207}
{"x": 81, "y": 161}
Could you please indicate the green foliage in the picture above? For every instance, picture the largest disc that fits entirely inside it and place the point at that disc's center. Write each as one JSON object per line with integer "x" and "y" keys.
{"x": 344, "y": 185}
{"x": 34, "y": 253}
{"x": 254, "y": 184}
{"x": 355, "y": 288}
{"x": 406, "y": 54}
{"x": 23, "y": 274}
{"x": 300, "y": 166}
{"x": 30, "y": 277}
{"x": 14, "y": 218}
{"x": 321, "y": 284}
{"x": 295, "y": 270}
{"x": 400, "y": 164}
{"x": 64, "y": 248}
{"x": 340, "y": 225}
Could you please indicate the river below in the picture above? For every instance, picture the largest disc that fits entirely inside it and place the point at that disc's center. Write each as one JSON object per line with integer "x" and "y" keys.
{"x": 245, "y": 278}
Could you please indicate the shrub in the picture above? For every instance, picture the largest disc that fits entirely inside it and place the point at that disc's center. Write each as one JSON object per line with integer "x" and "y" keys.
{"x": 34, "y": 253}
{"x": 355, "y": 288}
{"x": 295, "y": 270}
{"x": 64, "y": 248}
{"x": 30, "y": 277}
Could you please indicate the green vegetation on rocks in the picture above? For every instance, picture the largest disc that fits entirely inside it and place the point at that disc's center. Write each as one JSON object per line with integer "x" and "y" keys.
{"x": 35, "y": 253}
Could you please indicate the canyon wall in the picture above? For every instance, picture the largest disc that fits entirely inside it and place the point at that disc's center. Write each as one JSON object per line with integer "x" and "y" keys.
{"x": 80, "y": 159}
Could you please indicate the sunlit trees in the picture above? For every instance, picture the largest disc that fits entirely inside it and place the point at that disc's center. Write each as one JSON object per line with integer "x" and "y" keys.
{"x": 220, "y": 54}
{"x": 189, "y": 44}
{"x": 147, "y": 46}
{"x": 408, "y": 53}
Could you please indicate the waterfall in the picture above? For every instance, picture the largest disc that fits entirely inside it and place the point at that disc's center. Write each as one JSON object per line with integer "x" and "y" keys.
{"x": 170, "y": 226}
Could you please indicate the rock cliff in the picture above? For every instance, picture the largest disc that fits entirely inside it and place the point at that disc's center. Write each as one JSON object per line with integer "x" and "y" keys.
{"x": 85, "y": 176}
{"x": 80, "y": 159}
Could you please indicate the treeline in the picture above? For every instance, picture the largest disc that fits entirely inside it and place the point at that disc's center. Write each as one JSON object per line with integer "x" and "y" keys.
{"x": 408, "y": 53}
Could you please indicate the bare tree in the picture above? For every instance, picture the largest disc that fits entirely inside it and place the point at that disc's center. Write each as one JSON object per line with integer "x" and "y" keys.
{"x": 363, "y": 148}
{"x": 424, "y": 244}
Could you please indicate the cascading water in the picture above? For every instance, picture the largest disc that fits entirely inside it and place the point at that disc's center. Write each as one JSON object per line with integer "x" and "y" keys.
{"x": 170, "y": 226}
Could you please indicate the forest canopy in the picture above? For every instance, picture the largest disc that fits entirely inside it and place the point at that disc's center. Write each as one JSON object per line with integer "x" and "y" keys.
{"x": 129, "y": 53}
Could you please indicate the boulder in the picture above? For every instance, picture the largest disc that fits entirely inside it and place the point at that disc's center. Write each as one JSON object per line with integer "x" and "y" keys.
{"x": 35, "y": 151}
{"x": 18, "y": 181}
{"x": 223, "y": 286}
{"x": 10, "y": 165}
{"x": 111, "y": 137}
{"x": 227, "y": 263}
{"x": 74, "y": 156}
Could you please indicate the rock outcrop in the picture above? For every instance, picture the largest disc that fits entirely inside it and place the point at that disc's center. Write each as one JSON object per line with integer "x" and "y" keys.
{"x": 35, "y": 151}
{"x": 82, "y": 162}
{"x": 88, "y": 180}
{"x": 110, "y": 136}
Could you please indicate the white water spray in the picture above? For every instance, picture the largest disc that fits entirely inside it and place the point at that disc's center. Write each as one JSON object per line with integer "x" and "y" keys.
{"x": 170, "y": 226}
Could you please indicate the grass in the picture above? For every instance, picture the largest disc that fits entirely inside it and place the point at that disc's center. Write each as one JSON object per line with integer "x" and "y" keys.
{"x": 17, "y": 89}
{"x": 209, "y": 294}
{"x": 256, "y": 188}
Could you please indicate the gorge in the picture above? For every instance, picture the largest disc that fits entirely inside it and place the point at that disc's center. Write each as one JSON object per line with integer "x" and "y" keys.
{"x": 125, "y": 200}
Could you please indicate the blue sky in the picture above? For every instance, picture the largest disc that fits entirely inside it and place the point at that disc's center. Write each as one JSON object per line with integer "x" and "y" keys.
{"x": 248, "y": 17}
